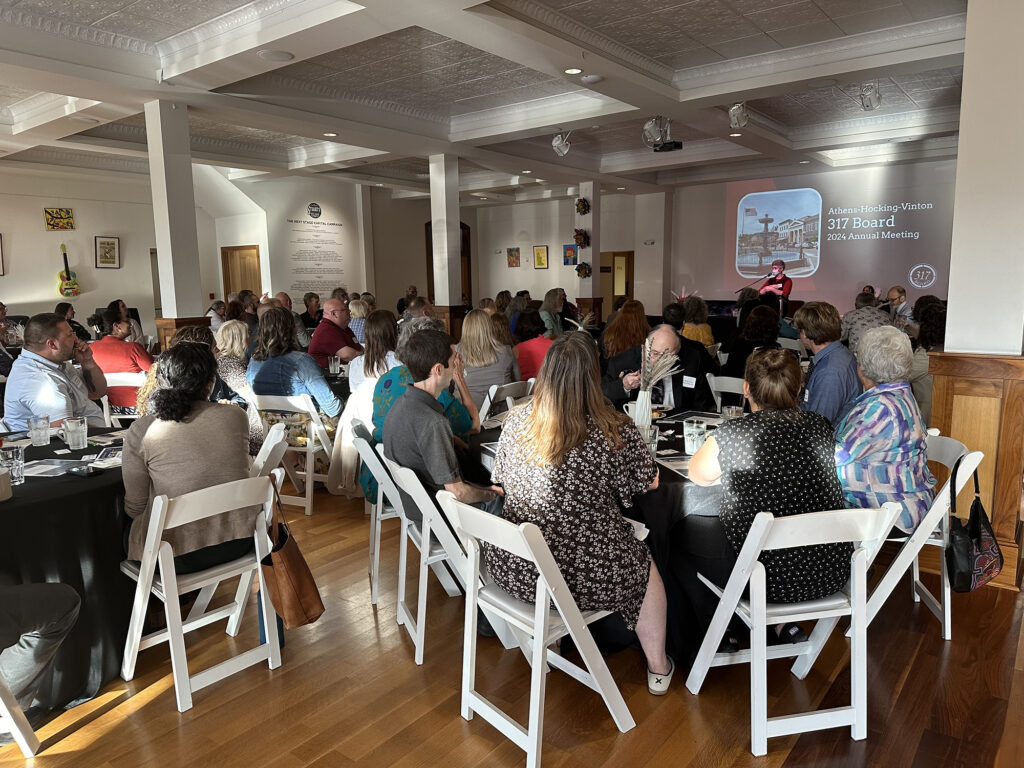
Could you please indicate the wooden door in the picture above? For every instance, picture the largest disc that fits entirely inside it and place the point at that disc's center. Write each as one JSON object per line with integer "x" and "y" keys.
{"x": 616, "y": 276}
{"x": 240, "y": 268}
{"x": 467, "y": 269}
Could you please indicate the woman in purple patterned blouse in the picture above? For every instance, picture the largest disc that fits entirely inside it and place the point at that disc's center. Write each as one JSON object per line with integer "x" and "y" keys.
{"x": 881, "y": 443}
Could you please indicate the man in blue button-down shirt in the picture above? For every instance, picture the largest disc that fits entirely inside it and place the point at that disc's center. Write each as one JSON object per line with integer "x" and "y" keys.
{"x": 832, "y": 383}
{"x": 43, "y": 381}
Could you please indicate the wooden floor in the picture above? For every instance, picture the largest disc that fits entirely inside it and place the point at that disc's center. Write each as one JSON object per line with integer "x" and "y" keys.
{"x": 349, "y": 694}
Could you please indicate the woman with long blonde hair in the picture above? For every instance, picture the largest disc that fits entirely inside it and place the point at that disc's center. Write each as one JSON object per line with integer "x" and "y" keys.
{"x": 568, "y": 461}
{"x": 488, "y": 362}
{"x": 627, "y": 330}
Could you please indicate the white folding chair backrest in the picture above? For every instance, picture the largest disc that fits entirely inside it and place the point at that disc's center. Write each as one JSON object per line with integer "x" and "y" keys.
{"x": 714, "y": 349}
{"x": 296, "y": 404}
{"x": 720, "y": 384}
{"x": 944, "y": 450}
{"x": 125, "y": 379}
{"x": 409, "y": 482}
{"x": 374, "y": 462}
{"x": 204, "y": 503}
{"x": 504, "y": 393}
{"x": 793, "y": 344}
{"x": 271, "y": 452}
{"x": 866, "y": 527}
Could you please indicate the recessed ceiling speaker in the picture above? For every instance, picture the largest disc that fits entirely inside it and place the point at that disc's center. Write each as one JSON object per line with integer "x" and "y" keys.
{"x": 870, "y": 98}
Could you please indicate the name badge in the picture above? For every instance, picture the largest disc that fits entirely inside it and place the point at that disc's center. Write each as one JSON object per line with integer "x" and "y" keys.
{"x": 807, "y": 395}
{"x": 689, "y": 382}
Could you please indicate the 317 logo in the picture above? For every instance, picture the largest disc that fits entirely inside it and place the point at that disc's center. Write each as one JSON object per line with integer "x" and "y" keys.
{"x": 922, "y": 275}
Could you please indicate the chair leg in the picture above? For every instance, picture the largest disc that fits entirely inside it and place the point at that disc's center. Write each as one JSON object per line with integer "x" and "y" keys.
{"x": 131, "y": 644}
{"x": 819, "y": 635}
{"x": 859, "y": 650}
{"x": 709, "y": 646}
{"x": 469, "y": 639}
{"x": 241, "y": 600}
{"x": 451, "y": 588}
{"x": 538, "y": 678}
{"x": 403, "y": 553}
{"x": 175, "y": 636}
{"x": 915, "y": 579}
{"x": 947, "y": 606}
{"x": 202, "y": 602}
{"x": 421, "y": 588}
{"x": 375, "y": 522}
{"x": 758, "y": 664}
{"x": 20, "y": 728}
{"x": 310, "y": 471}
{"x": 265, "y": 607}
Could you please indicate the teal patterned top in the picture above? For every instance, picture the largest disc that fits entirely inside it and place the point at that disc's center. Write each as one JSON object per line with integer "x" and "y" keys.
{"x": 881, "y": 453}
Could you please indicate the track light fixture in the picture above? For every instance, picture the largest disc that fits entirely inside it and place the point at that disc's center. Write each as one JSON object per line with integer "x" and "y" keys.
{"x": 657, "y": 135}
{"x": 870, "y": 98}
{"x": 560, "y": 143}
{"x": 738, "y": 116}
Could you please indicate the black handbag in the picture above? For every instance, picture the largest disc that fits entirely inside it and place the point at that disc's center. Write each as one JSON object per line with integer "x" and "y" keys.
{"x": 973, "y": 557}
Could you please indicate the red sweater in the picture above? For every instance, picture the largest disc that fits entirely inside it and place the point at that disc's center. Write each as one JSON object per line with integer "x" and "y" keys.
{"x": 531, "y": 355}
{"x": 116, "y": 356}
{"x": 328, "y": 338}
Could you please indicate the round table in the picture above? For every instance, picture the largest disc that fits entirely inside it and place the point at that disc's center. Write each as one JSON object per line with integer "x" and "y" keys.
{"x": 70, "y": 529}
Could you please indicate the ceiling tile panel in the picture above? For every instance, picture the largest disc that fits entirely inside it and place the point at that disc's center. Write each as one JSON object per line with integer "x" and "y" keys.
{"x": 787, "y": 16}
{"x": 806, "y": 34}
{"x": 930, "y": 9}
{"x": 79, "y": 12}
{"x": 745, "y": 46}
{"x": 883, "y": 18}
{"x": 141, "y": 27}
{"x": 712, "y": 21}
{"x": 686, "y": 59}
{"x": 837, "y": 8}
{"x": 596, "y": 13}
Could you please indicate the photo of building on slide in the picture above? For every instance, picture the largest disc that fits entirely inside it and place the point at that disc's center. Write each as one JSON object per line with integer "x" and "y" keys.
{"x": 781, "y": 224}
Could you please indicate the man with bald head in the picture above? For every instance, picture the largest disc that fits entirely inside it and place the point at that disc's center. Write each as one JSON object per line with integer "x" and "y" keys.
{"x": 687, "y": 390}
{"x": 301, "y": 334}
{"x": 333, "y": 336}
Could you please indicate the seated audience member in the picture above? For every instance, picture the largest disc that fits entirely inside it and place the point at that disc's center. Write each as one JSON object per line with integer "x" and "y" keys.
{"x": 674, "y": 315}
{"x": 65, "y": 310}
{"x": 6, "y": 358}
{"x": 341, "y": 294}
{"x": 863, "y": 317}
{"x": 688, "y": 390}
{"x": 620, "y": 301}
{"x": 250, "y": 315}
{"x": 516, "y": 306}
{"x": 776, "y": 459}
{"x": 832, "y": 382}
{"x": 760, "y": 332}
{"x": 417, "y": 434}
{"x": 43, "y": 382}
{"x": 487, "y": 362}
{"x": 313, "y": 314}
{"x": 533, "y": 344}
{"x": 931, "y": 335}
{"x": 357, "y": 322}
{"x": 900, "y": 311}
{"x": 566, "y": 433}
{"x": 379, "y": 355}
{"x": 501, "y": 302}
{"x": 502, "y": 334}
{"x": 234, "y": 311}
{"x": 217, "y": 314}
{"x": 186, "y": 443}
{"x": 418, "y": 306}
{"x": 371, "y": 302}
{"x": 881, "y": 445}
{"x": 302, "y": 336}
{"x": 869, "y": 289}
{"x": 118, "y": 305}
{"x": 232, "y": 342}
{"x": 333, "y": 336}
{"x": 354, "y": 296}
{"x": 628, "y": 329}
{"x": 696, "y": 327}
{"x": 487, "y": 305}
{"x": 745, "y": 303}
{"x": 922, "y": 303}
{"x": 113, "y": 354}
{"x": 525, "y": 294}
{"x": 279, "y": 367}
{"x": 34, "y": 620}
{"x": 403, "y": 303}
{"x": 551, "y": 313}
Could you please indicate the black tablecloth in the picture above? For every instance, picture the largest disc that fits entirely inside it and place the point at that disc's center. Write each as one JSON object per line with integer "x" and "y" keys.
{"x": 70, "y": 529}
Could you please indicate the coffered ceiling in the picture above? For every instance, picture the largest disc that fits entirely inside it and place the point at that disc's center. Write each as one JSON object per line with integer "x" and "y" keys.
{"x": 365, "y": 92}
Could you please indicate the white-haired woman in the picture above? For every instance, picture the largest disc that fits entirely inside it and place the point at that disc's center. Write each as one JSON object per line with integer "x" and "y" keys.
{"x": 881, "y": 443}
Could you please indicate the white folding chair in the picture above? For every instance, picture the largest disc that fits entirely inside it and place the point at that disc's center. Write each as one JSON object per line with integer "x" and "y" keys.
{"x": 794, "y": 345}
{"x": 540, "y": 624}
{"x": 271, "y": 452}
{"x": 387, "y": 507}
{"x": 713, "y": 349}
{"x": 135, "y": 380}
{"x": 318, "y": 443}
{"x": 14, "y": 722}
{"x": 155, "y": 575}
{"x": 867, "y": 528}
{"x": 723, "y": 358}
{"x": 504, "y": 393}
{"x": 933, "y": 530}
{"x": 720, "y": 384}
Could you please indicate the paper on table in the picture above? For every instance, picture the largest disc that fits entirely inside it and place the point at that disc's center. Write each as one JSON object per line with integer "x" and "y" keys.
{"x": 50, "y": 467}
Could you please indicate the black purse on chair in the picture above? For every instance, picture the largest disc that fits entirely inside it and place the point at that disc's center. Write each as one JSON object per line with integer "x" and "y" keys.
{"x": 973, "y": 557}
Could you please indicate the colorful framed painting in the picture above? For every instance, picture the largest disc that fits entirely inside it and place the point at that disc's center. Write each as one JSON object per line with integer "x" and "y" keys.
{"x": 108, "y": 252}
{"x": 513, "y": 256}
{"x": 569, "y": 255}
{"x": 58, "y": 219}
{"x": 540, "y": 257}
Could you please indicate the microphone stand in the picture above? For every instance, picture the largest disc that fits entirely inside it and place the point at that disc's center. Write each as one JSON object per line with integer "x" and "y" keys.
{"x": 750, "y": 284}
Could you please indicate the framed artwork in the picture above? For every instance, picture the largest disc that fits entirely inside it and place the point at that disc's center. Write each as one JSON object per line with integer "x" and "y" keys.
{"x": 58, "y": 219}
{"x": 540, "y": 257}
{"x": 108, "y": 252}
{"x": 569, "y": 255}
{"x": 2, "y": 270}
{"x": 513, "y": 256}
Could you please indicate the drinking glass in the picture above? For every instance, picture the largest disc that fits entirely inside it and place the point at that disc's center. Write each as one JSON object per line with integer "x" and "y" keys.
{"x": 732, "y": 411}
{"x": 334, "y": 365}
{"x": 694, "y": 431}
{"x": 75, "y": 432}
{"x": 650, "y": 436}
{"x": 39, "y": 430}
{"x": 12, "y": 458}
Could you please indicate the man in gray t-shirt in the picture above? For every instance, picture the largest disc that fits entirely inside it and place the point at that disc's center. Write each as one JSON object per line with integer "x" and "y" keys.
{"x": 417, "y": 434}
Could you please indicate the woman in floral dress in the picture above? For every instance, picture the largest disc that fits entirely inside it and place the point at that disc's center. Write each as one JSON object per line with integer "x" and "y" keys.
{"x": 568, "y": 461}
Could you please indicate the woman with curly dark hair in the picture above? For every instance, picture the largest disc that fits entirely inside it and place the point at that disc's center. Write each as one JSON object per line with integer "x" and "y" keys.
{"x": 759, "y": 332}
{"x": 931, "y": 335}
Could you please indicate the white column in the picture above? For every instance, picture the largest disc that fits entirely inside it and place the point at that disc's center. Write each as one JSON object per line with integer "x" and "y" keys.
{"x": 588, "y": 288}
{"x": 174, "y": 209}
{"x": 986, "y": 271}
{"x": 364, "y": 213}
{"x": 447, "y": 239}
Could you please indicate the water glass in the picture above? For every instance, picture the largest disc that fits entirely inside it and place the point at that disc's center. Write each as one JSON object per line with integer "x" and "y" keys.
{"x": 732, "y": 411}
{"x": 12, "y": 458}
{"x": 650, "y": 436}
{"x": 39, "y": 430}
{"x": 75, "y": 432}
{"x": 694, "y": 431}
{"x": 334, "y": 365}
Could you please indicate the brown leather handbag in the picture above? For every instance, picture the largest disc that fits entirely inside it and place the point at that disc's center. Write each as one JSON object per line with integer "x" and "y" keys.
{"x": 290, "y": 583}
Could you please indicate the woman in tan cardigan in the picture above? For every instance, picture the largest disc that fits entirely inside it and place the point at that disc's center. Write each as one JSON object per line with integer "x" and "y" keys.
{"x": 186, "y": 443}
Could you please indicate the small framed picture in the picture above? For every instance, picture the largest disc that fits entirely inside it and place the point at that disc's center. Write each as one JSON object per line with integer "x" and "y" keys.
{"x": 540, "y": 257}
{"x": 513, "y": 256}
{"x": 108, "y": 252}
{"x": 58, "y": 219}
{"x": 569, "y": 255}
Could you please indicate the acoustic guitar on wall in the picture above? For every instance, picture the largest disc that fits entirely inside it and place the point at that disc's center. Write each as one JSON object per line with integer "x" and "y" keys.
{"x": 67, "y": 285}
